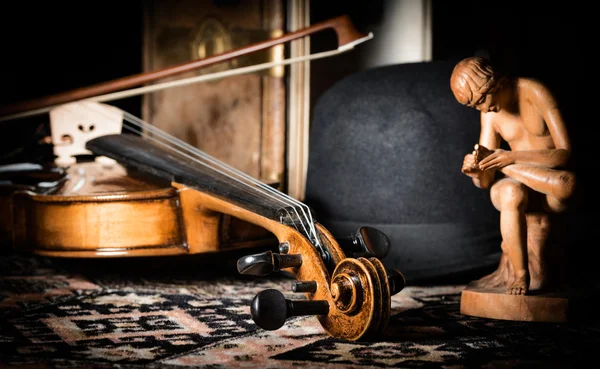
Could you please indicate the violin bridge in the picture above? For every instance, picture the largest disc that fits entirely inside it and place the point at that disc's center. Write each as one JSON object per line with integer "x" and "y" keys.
{"x": 73, "y": 125}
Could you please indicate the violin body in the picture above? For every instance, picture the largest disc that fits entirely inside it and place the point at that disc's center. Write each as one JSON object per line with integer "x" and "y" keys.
{"x": 108, "y": 211}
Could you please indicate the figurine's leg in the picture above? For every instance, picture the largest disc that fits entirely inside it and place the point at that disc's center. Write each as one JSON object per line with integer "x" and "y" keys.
{"x": 559, "y": 184}
{"x": 511, "y": 198}
{"x": 498, "y": 277}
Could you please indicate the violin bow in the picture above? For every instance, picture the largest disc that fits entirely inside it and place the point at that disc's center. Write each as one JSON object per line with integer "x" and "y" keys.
{"x": 347, "y": 35}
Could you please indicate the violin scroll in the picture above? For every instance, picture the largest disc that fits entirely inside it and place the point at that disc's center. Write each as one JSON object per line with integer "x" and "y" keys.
{"x": 352, "y": 301}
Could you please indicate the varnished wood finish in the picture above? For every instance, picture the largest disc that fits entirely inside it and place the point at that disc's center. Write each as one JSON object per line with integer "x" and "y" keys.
{"x": 104, "y": 225}
{"x": 120, "y": 215}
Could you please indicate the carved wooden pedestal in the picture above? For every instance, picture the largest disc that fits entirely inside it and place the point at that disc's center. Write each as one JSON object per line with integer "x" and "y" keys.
{"x": 494, "y": 303}
{"x": 546, "y": 300}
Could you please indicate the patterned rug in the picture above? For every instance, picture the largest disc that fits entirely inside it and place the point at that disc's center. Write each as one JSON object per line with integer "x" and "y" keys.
{"x": 179, "y": 313}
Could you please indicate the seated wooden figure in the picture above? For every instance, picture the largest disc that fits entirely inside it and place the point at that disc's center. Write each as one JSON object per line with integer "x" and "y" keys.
{"x": 530, "y": 185}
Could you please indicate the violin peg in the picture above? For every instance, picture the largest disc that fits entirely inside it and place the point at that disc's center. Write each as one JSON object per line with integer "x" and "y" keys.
{"x": 304, "y": 286}
{"x": 366, "y": 242}
{"x": 270, "y": 309}
{"x": 264, "y": 263}
{"x": 396, "y": 280}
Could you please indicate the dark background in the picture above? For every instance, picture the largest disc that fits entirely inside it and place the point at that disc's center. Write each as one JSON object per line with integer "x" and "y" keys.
{"x": 54, "y": 46}
{"x": 49, "y": 47}
{"x": 533, "y": 38}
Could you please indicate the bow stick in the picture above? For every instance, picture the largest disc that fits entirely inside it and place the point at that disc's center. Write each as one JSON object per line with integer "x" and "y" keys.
{"x": 348, "y": 37}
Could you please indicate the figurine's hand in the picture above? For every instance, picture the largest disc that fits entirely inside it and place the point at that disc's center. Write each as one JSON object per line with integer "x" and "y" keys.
{"x": 497, "y": 159}
{"x": 470, "y": 166}
{"x": 481, "y": 152}
{"x": 472, "y": 162}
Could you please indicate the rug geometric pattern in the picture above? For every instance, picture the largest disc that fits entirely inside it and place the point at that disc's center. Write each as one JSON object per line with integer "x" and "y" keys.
{"x": 51, "y": 316}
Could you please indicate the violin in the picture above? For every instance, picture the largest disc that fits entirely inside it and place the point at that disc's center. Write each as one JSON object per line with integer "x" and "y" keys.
{"x": 95, "y": 210}
{"x": 149, "y": 193}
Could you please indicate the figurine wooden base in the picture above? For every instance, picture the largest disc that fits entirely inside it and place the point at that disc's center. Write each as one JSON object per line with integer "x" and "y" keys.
{"x": 494, "y": 303}
{"x": 548, "y": 299}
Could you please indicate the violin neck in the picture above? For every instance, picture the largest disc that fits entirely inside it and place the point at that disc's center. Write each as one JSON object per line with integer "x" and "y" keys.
{"x": 136, "y": 153}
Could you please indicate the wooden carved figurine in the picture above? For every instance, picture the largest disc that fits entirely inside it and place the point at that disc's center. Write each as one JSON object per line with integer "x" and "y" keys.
{"x": 530, "y": 185}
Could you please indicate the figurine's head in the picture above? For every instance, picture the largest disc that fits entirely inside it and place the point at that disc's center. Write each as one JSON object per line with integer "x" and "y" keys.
{"x": 474, "y": 82}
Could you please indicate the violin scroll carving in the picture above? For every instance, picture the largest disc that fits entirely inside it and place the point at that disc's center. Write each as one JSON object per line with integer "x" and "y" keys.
{"x": 352, "y": 301}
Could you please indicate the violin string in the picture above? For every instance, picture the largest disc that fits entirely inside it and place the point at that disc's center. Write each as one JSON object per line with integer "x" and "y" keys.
{"x": 259, "y": 189}
{"x": 260, "y": 186}
{"x": 193, "y": 150}
{"x": 140, "y": 130}
{"x": 142, "y": 133}
{"x": 173, "y": 142}
{"x": 195, "y": 160}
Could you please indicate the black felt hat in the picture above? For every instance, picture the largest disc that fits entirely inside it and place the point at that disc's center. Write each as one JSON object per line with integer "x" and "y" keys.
{"x": 386, "y": 149}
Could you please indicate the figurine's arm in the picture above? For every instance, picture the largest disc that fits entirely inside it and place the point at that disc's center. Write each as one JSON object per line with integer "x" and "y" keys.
{"x": 551, "y": 158}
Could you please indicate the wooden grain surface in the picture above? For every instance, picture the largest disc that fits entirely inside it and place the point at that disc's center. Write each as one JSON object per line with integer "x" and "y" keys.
{"x": 240, "y": 120}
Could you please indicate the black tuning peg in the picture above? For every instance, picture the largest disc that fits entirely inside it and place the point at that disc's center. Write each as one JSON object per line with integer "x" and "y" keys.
{"x": 270, "y": 309}
{"x": 396, "y": 280}
{"x": 267, "y": 262}
{"x": 366, "y": 242}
